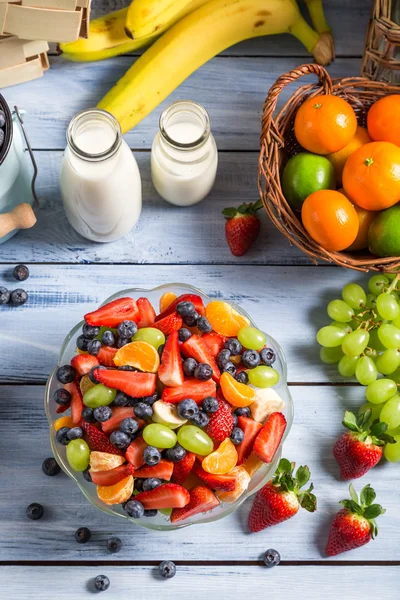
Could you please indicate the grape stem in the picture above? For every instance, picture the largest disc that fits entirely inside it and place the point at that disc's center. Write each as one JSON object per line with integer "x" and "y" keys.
{"x": 393, "y": 284}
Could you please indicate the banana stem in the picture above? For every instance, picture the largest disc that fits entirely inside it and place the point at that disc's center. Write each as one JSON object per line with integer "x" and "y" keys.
{"x": 304, "y": 33}
{"x": 317, "y": 15}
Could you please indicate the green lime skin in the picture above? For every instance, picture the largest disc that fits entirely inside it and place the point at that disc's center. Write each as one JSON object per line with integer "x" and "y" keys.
{"x": 384, "y": 233}
{"x": 304, "y": 174}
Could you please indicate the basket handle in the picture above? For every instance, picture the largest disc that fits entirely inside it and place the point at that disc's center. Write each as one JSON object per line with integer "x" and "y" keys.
{"x": 272, "y": 99}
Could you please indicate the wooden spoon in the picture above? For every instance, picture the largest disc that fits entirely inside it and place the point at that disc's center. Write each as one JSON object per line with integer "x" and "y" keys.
{"x": 21, "y": 217}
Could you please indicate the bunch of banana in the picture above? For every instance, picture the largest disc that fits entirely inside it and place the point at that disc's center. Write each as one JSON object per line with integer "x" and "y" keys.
{"x": 148, "y": 17}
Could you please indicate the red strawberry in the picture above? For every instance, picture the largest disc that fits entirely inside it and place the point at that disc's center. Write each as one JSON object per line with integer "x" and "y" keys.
{"x": 76, "y": 402}
{"x": 251, "y": 430}
{"x": 131, "y": 383}
{"x": 242, "y": 227}
{"x": 135, "y": 452}
{"x": 192, "y": 388}
{"x": 163, "y": 470}
{"x": 268, "y": 440}
{"x": 193, "y": 298}
{"x": 215, "y": 342}
{"x": 216, "y": 482}
{"x": 97, "y": 440}
{"x": 119, "y": 413}
{"x": 113, "y": 313}
{"x": 170, "y": 323}
{"x": 281, "y": 498}
{"x": 147, "y": 314}
{"x": 354, "y": 525}
{"x": 63, "y": 409}
{"x": 183, "y": 468}
{"x": 113, "y": 476}
{"x": 195, "y": 347}
{"x": 170, "y": 371}
{"x": 169, "y": 495}
{"x": 201, "y": 500}
{"x": 82, "y": 363}
{"x": 221, "y": 422}
{"x": 106, "y": 356}
{"x": 361, "y": 448}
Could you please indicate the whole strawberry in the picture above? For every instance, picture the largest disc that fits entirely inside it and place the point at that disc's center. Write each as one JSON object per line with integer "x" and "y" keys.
{"x": 221, "y": 422}
{"x": 354, "y": 525}
{"x": 361, "y": 448}
{"x": 281, "y": 498}
{"x": 242, "y": 227}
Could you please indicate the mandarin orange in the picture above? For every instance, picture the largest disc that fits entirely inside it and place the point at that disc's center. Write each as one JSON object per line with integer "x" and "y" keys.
{"x": 166, "y": 299}
{"x": 224, "y": 319}
{"x": 140, "y": 355}
{"x": 365, "y": 218}
{"x": 338, "y": 159}
{"x": 383, "y": 120}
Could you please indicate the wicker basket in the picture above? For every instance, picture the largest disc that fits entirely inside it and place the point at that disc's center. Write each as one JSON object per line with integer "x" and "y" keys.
{"x": 278, "y": 144}
{"x": 381, "y": 59}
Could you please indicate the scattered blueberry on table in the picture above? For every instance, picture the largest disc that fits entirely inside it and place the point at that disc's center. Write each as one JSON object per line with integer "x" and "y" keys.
{"x": 114, "y": 544}
{"x": 167, "y": 569}
{"x": 83, "y": 535}
{"x": 50, "y": 467}
{"x": 34, "y": 511}
{"x": 21, "y": 273}
{"x": 271, "y": 558}
{"x": 101, "y": 583}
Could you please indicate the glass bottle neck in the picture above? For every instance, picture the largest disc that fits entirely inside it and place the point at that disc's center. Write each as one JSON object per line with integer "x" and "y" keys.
{"x": 184, "y": 127}
{"x": 94, "y": 135}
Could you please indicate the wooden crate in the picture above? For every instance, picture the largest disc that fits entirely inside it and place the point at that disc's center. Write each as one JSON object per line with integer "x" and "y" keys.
{"x": 22, "y": 60}
{"x": 381, "y": 61}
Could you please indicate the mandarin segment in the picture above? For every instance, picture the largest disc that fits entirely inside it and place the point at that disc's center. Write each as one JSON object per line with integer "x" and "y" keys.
{"x": 103, "y": 461}
{"x": 117, "y": 493}
{"x": 236, "y": 393}
{"x": 139, "y": 354}
{"x": 222, "y": 460}
{"x": 166, "y": 300}
{"x": 224, "y": 319}
{"x": 63, "y": 422}
{"x": 242, "y": 483}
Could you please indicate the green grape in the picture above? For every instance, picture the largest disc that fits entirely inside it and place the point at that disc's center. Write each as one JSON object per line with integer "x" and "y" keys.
{"x": 330, "y": 356}
{"x": 390, "y": 413}
{"x": 159, "y": 436}
{"x": 377, "y": 283}
{"x": 151, "y": 335}
{"x": 392, "y": 451}
{"x": 374, "y": 341}
{"x": 339, "y": 310}
{"x": 195, "y": 440}
{"x": 354, "y": 295}
{"x": 389, "y": 335}
{"x": 366, "y": 371}
{"x": 387, "y": 306}
{"x": 380, "y": 391}
{"x": 263, "y": 377}
{"x": 374, "y": 408}
{"x": 329, "y": 337}
{"x": 388, "y": 362}
{"x": 396, "y": 321}
{"x": 346, "y": 326}
{"x": 390, "y": 276}
{"x": 99, "y": 395}
{"x": 251, "y": 338}
{"x": 165, "y": 511}
{"x": 78, "y": 454}
{"x": 395, "y": 376}
{"x": 355, "y": 343}
{"x": 347, "y": 365}
{"x": 371, "y": 301}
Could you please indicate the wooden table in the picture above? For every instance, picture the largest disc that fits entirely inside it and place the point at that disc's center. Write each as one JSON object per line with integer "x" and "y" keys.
{"x": 273, "y": 282}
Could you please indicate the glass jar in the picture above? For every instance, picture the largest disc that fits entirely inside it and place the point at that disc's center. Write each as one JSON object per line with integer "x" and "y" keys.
{"x": 184, "y": 155}
{"x": 100, "y": 180}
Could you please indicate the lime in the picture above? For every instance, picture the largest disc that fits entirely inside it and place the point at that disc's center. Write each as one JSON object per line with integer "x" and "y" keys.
{"x": 304, "y": 174}
{"x": 384, "y": 233}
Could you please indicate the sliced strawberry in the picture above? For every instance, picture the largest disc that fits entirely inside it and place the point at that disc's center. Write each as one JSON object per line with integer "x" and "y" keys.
{"x": 97, "y": 440}
{"x": 163, "y": 470}
{"x": 195, "y": 347}
{"x": 106, "y": 356}
{"x": 132, "y": 383}
{"x": 221, "y": 422}
{"x": 215, "y": 482}
{"x": 183, "y": 468}
{"x": 194, "y": 298}
{"x": 268, "y": 440}
{"x": 77, "y": 405}
{"x": 215, "y": 342}
{"x": 170, "y": 371}
{"x": 135, "y": 452}
{"x": 113, "y": 476}
{"x": 201, "y": 500}
{"x": 63, "y": 409}
{"x": 113, "y": 313}
{"x": 147, "y": 314}
{"x": 192, "y": 388}
{"x": 169, "y": 495}
{"x": 251, "y": 430}
{"x": 169, "y": 324}
{"x": 119, "y": 413}
{"x": 82, "y": 363}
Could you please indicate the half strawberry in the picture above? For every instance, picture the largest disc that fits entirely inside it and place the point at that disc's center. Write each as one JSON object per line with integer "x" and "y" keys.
{"x": 170, "y": 371}
{"x": 192, "y": 388}
{"x": 195, "y": 347}
{"x": 113, "y": 313}
{"x": 201, "y": 500}
{"x": 169, "y": 495}
{"x": 193, "y": 298}
{"x": 132, "y": 383}
{"x": 268, "y": 440}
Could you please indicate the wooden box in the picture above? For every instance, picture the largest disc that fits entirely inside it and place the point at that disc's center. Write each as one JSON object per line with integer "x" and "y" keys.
{"x": 22, "y": 60}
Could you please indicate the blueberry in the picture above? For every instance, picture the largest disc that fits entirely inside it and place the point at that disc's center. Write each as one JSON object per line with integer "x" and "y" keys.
{"x": 210, "y": 404}
{"x": 90, "y": 331}
{"x": 242, "y": 377}
{"x": 61, "y": 436}
{"x": 203, "y": 372}
{"x": 167, "y": 569}
{"x": 201, "y": 419}
{"x": 271, "y": 558}
{"x": 187, "y": 409}
{"x": 122, "y": 341}
{"x": 150, "y": 512}
{"x": 92, "y": 373}
{"x": 152, "y": 456}
{"x": 204, "y": 325}
{"x": 66, "y": 374}
{"x": 138, "y": 483}
{"x": 251, "y": 359}
{"x": 120, "y": 440}
{"x": 126, "y": 368}
{"x": 150, "y": 399}
{"x": 223, "y": 357}
{"x": 82, "y": 343}
{"x": 129, "y": 426}
{"x": 151, "y": 484}
{"x": 234, "y": 346}
{"x": 50, "y": 467}
{"x": 82, "y": 535}
{"x": 87, "y": 415}
{"x": 34, "y": 511}
{"x": 184, "y": 334}
{"x": 127, "y": 329}
{"x": 161, "y": 350}
{"x": 2, "y": 118}
{"x": 94, "y": 347}
{"x": 86, "y": 475}
{"x": 189, "y": 365}
{"x": 175, "y": 454}
{"x": 18, "y": 297}
{"x": 268, "y": 356}
{"x": 4, "y": 295}
{"x": 235, "y": 419}
{"x": 243, "y": 412}
{"x": 229, "y": 368}
{"x": 108, "y": 338}
{"x": 184, "y": 309}
{"x": 143, "y": 410}
{"x": 121, "y": 399}
{"x": 102, "y": 414}
{"x": 62, "y": 396}
{"x": 101, "y": 583}
{"x": 191, "y": 320}
{"x": 21, "y": 272}
{"x": 114, "y": 545}
{"x": 75, "y": 433}
{"x": 134, "y": 509}
{"x": 237, "y": 436}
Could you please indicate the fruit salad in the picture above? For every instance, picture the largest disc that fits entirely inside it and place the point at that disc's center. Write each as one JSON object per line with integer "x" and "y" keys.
{"x": 172, "y": 412}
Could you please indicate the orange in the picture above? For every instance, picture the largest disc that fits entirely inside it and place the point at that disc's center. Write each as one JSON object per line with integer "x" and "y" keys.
{"x": 252, "y": 464}
{"x": 85, "y": 384}
{"x": 338, "y": 159}
{"x": 237, "y": 394}
{"x": 103, "y": 461}
{"x": 63, "y": 422}
{"x": 325, "y": 124}
{"x": 222, "y": 460}
{"x": 167, "y": 299}
{"x": 365, "y": 218}
{"x": 140, "y": 355}
{"x": 224, "y": 319}
{"x": 330, "y": 219}
{"x": 242, "y": 483}
{"x": 371, "y": 176}
{"x": 383, "y": 120}
{"x": 117, "y": 493}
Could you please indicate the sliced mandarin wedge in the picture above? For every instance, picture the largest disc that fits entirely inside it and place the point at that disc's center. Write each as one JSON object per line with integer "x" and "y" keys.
{"x": 252, "y": 464}
{"x": 141, "y": 355}
{"x": 236, "y": 393}
{"x": 224, "y": 319}
{"x": 222, "y": 460}
{"x": 166, "y": 300}
{"x": 85, "y": 384}
{"x": 117, "y": 493}
{"x": 63, "y": 422}
{"x": 103, "y": 461}
{"x": 242, "y": 483}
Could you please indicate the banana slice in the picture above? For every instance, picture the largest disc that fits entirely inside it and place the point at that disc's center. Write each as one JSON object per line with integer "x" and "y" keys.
{"x": 267, "y": 401}
{"x": 167, "y": 414}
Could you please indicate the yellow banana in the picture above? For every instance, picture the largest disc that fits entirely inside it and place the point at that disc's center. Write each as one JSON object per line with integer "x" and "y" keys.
{"x": 148, "y": 17}
{"x": 196, "y": 39}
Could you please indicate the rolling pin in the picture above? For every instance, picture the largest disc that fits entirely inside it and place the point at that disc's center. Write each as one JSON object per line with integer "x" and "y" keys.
{"x": 21, "y": 217}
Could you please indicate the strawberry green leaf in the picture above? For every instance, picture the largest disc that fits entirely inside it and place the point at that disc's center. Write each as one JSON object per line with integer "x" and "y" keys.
{"x": 378, "y": 429}
{"x": 302, "y": 476}
{"x": 364, "y": 419}
{"x": 229, "y": 213}
{"x": 353, "y": 493}
{"x": 373, "y": 529}
{"x": 287, "y": 483}
{"x": 386, "y": 437}
{"x": 367, "y": 495}
{"x": 350, "y": 421}
{"x": 373, "y": 511}
{"x": 285, "y": 466}
{"x": 352, "y": 506}
{"x": 308, "y": 501}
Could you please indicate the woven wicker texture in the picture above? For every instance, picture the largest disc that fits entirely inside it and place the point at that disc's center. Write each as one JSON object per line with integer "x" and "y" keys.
{"x": 381, "y": 61}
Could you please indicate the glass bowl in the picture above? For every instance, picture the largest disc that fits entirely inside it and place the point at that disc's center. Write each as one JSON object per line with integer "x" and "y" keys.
{"x": 161, "y": 522}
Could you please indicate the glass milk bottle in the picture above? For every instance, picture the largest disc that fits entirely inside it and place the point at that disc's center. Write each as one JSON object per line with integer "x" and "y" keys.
{"x": 184, "y": 155}
{"x": 100, "y": 180}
